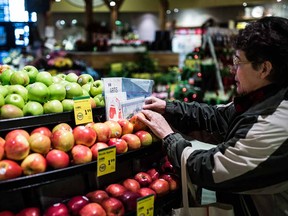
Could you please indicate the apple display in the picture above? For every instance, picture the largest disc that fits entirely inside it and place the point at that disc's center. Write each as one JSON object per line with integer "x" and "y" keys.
{"x": 44, "y": 77}
{"x": 96, "y": 147}
{"x": 33, "y": 108}
{"x": 121, "y": 145}
{"x": 81, "y": 154}
{"x": 173, "y": 180}
{"x": 57, "y": 209}
{"x": 73, "y": 90}
{"x": 32, "y": 72}
{"x": 99, "y": 100}
{"x": 131, "y": 184}
{"x": 115, "y": 189}
{"x": 15, "y": 99}
{"x": 92, "y": 209}
{"x": 133, "y": 141}
{"x": 30, "y": 211}
{"x": 62, "y": 140}
{"x": 160, "y": 186}
{"x": 126, "y": 125}
{"x": 4, "y": 90}
{"x": 6, "y": 213}
{"x": 39, "y": 143}
{"x": 103, "y": 131}
{"x": 113, "y": 206}
{"x": 145, "y": 137}
{"x": 84, "y": 135}
{"x": 96, "y": 88}
{"x": 38, "y": 92}
{"x": 57, "y": 159}
{"x": 71, "y": 77}
{"x": 19, "y": 78}
{"x": 76, "y": 203}
{"x": 62, "y": 126}
{"x": 84, "y": 78}
{"x": 146, "y": 191}
{"x": 2, "y": 152}
{"x": 57, "y": 91}
{"x": 143, "y": 178}
{"x": 34, "y": 163}
{"x": 53, "y": 106}
{"x": 137, "y": 124}
{"x": 154, "y": 173}
{"x": 17, "y": 147}
{"x": 92, "y": 102}
{"x": 2, "y": 100}
{"x": 129, "y": 199}
{"x": 15, "y": 132}
{"x": 116, "y": 130}
{"x": 43, "y": 130}
{"x": 68, "y": 104}
{"x": 166, "y": 166}
{"x": 18, "y": 89}
{"x": 8, "y": 111}
{"x": 9, "y": 169}
{"x": 86, "y": 87}
{"x": 6, "y": 75}
{"x": 97, "y": 196}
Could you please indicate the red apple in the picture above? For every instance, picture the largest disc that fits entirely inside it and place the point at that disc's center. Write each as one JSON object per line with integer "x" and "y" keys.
{"x": 84, "y": 135}
{"x": 62, "y": 126}
{"x": 76, "y": 203}
{"x": 129, "y": 199}
{"x": 146, "y": 191}
{"x": 121, "y": 145}
{"x": 153, "y": 173}
{"x": 115, "y": 189}
{"x": 39, "y": 143}
{"x": 132, "y": 140}
{"x": 62, "y": 140}
{"x": 113, "y": 207}
{"x": 2, "y": 152}
{"x": 9, "y": 169}
{"x": 15, "y": 132}
{"x": 160, "y": 186}
{"x": 57, "y": 159}
{"x": 7, "y": 213}
{"x": 43, "y": 130}
{"x": 81, "y": 154}
{"x": 29, "y": 211}
{"x": 126, "y": 125}
{"x": 96, "y": 147}
{"x": 102, "y": 130}
{"x": 97, "y": 196}
{"x": 17, "y": 147}
{"x": 57, "y": 209}
{"x": 92, "y": 209}
{"x": 131, "y": 184}
{"x": 173, "y": 180}
{"x": 137, "y": 124}
{"x": 34, "y": 163}
{"x": 116, "y": 130}
{"x": 166, "y": 166}
{"x": 143, "y": 178}
{"x": 2, "y": 142}
{"x": 145, "y": 137}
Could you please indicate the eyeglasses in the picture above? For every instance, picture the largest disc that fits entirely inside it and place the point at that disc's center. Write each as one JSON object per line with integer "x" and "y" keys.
{"x": 237, "y": 62}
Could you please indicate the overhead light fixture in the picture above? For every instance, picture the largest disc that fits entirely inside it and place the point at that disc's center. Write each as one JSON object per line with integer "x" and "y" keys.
{"x": 244, "y": 4}
{"x": 112, "y": 3}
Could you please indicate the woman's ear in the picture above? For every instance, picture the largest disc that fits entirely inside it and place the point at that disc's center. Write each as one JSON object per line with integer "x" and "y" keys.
{"x": 267, "y": 67}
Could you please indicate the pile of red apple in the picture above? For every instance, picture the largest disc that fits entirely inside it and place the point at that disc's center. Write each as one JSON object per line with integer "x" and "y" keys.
{"x": 29, "y": 92}
{"x": 28, "y": 153}
{"x": 115, "y": 199}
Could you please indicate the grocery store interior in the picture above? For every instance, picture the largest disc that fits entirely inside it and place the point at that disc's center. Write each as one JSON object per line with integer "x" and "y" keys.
{"x": 178, "y": 49}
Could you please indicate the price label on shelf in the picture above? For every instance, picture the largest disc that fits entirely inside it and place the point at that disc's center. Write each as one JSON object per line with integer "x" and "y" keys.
{"x": 106, "y": 161}
{"x": 82, "y": 110}
{"x": 145, "y": 206}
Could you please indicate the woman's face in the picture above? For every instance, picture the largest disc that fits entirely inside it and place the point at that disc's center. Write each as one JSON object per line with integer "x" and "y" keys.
{"x": 247, "y": 78}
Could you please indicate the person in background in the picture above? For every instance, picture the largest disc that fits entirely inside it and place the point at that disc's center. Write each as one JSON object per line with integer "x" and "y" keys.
{"x": 248, "y": 164}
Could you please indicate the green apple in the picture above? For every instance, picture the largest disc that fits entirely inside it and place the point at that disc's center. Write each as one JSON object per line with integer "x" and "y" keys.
{"x": 20, "y": 90}
{"x": 73, "y": 90}
{"x": 68, "y": 104}
{"x": 10, "y": 111}
{"x": 15, "y": 99}
{"x": 96, "y": 88}
{"x": 32, "y": 72}
{"x": 19, "y": 78}
{"x": 61, "y": 75}
{"x": 56, "y": 79}
{"x": 39, "y": 92}
{"x": 85, "y": 93}
{"x": 84, "y": 78}
{"x": 44, "y": 77}
{"x": 71, "y": 77}
{"x": 6, "y": 75}
{"x": 33, "y": 108}
{"x": 2, "y": 100}
{"x": 57, "y": 91}
{"x": 99, "y": 100}
{"x": 87, "y": 86}
{"x": 3, "y": 90}
{"x": 53, "y": 106}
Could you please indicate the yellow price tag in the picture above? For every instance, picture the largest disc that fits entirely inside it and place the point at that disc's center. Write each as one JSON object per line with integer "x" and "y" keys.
{"x": 145, "y": 206}
{"x": 82, "y": 110}
{"x": 106, "y": 161}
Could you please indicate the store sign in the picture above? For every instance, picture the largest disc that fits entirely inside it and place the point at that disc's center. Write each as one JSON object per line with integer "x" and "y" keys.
{"x": 106, "y": 161}
{"x": 82, "y": 110}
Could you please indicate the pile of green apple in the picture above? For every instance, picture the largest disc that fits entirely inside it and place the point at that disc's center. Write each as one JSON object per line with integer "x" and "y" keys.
{"x": 30, "y": 92}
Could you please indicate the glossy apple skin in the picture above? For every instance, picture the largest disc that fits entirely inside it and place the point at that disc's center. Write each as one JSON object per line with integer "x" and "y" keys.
{"x": 145, "y": 137}
{"x": 57, "y": 159}
{"x": 116, "y": 130}
{"x": 103, "y": 131}
{"x": 92, "y": 209}
{"x": 76, "y": 203}
{"x": 61, "y": 126}
{"x": 113, "y": 206}
{"x": 115, "y": 189}
{"x": 32, "y": 211}
{"x": 143, "y": 178}
{"x": 146, "y": 191}
{"x": 84, "y": 135}
{"x": 43, "y": 130}
{"x": 126, "y": 125}
{"x": 7, "y": 213}
{"x": 39, "y": 143}
{"x": 173, "y": 180}
{"x": 154, "y": 173}
{"x": 97, "y": 196}
{"x": 131, "y": 184}
{"x": 34, "y": 163}
{"x": 63, "y": 140}
{"x": 129, "y": 200}
{"x": 15, "y": 132}
{"x": 81, "y": 154}
{"x": 133, "y": 141}
{"x": 137, "y": 124}
{"x": 121, "y": 145}
{"x": 17, "y": 147}
{"x": 96, "y": 147}
{"x": 57, "y": 209}
{"x": 2, "y": 152}
{"x": 160, "y": 186}
{"x": 9, "y": 169}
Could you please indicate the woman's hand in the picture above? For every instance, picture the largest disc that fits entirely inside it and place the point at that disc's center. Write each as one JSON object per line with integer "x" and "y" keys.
{"x": 155, "y": 104}
{"x": 156, "y": 122}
